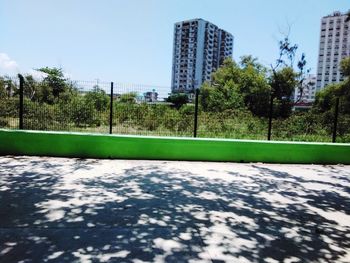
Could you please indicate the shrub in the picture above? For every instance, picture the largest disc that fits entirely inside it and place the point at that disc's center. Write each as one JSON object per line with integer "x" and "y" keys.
{"x": 3, "y": 123}
{"x": 9, "y": 107}
{"x": 98, "y": 98}
{"x": 38, "y": 116}
{"x": 151, "y": 121}
{"x": 83, "y": 113}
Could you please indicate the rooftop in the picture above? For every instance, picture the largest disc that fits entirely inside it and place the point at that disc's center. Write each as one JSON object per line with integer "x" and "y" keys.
{"x": 201, "y": 19}
{"x": 337, "y": 13}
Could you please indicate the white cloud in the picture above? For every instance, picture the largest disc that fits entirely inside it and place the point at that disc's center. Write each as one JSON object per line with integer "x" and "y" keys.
{"x": 10, "y": 67}
{"x": 67, "y": 75}
{"x": 8, "y": 64}
{"x": 38, "y": 75}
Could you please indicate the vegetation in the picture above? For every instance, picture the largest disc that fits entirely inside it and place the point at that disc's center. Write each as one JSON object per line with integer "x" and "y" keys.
{"x": 235, "y": 104}
{"x": 178, "y": 99}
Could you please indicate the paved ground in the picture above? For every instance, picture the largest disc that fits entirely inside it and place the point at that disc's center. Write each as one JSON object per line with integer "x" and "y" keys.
{"x": 74, "y": 210}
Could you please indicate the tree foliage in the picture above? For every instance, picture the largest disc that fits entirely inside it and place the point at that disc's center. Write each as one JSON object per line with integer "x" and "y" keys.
{"x": 236, "y": 86}
{"x": 232, "y": 105}
{"x": 82, "y": 112}
{"x": 98, "y": 98}
{"x": 178, "y": 99}
{"x": 283, "y": 83}
{"x": 249, "y": 85}
{"x": 325, "y": 99}
{"x": 345, "y": 67}
{"x": 284, "y": 79}
{"x": 54, "y": 79}
{"x": 3, "y": 93}
{"x": 129, "y": 97}
{"x": 7, "y": 87}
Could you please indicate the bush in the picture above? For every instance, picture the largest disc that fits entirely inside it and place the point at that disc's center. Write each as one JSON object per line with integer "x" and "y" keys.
{"x": 38, "y": 116}
{"x": 98, "y": 98}
{"x": 170, "y": 119}
{"x": 178, "y": 99}
{"x": 151, "y": 122}
{"x": 9, "y": 107}
{"x": 83, "y": 113}
{"x": 123, "y": 112}
{"x": 3, "y": 123}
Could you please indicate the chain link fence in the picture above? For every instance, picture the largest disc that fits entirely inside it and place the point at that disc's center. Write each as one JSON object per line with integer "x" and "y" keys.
{"x": 9, "y": 103}
{"x": 105, "y": 107}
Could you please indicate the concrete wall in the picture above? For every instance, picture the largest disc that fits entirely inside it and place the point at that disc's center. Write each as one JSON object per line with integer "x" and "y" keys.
{"x": 84, "y": 145}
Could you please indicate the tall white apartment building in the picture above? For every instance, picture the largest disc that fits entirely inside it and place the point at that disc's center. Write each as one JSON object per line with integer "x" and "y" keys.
{"x": 307, "y": 96}
{"x": 200, "y": 47}
{"x": 334, "y": 46}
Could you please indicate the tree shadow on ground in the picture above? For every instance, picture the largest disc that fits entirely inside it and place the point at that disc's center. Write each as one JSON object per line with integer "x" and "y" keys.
{"x": 66, "y": 210}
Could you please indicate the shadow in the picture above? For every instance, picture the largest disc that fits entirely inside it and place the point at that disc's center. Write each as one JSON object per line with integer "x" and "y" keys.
{"x": 66, "y": 210}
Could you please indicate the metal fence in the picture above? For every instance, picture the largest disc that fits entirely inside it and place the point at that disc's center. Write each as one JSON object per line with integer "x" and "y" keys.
{"x": 116, "y": 108}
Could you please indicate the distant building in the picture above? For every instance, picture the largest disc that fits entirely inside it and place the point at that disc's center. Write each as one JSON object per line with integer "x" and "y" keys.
{"x": 151, "y": 96}
{"x": 140, "y": 97}
{"x": 334, "y": 46}
{"x": 307, "y": 96}
{"x": 200, "y": 47}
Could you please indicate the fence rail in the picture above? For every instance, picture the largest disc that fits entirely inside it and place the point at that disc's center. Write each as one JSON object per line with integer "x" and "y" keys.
{"x": 110, "y": 107}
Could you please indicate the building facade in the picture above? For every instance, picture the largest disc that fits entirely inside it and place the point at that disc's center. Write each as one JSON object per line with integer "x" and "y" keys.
{"x": 151, "y": 96}
{"x": 199, "y": 48}
{"x": 306, "y": 97}
{"x": 334, "y": 46}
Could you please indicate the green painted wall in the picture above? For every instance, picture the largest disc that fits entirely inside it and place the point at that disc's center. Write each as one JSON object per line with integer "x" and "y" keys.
{"x": 168, "y": 148}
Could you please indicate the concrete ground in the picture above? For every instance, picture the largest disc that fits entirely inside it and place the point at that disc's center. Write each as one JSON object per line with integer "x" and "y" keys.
{"x": 75, "y": 210}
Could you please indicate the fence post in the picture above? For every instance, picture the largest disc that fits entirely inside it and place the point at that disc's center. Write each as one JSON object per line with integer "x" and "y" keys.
{"x": 111, "y": 111}
{"x": 270, "y": 118}
{"x": 336, "y": 111}
{"x": 21, "y": 95}
{"x": 196, "y": 114}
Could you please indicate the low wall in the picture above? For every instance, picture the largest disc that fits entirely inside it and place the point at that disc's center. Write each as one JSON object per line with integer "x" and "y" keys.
{"x": 83, "y": 145}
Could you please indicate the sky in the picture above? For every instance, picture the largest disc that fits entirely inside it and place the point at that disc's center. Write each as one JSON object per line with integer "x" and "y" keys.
{"x": 130, "y": 41}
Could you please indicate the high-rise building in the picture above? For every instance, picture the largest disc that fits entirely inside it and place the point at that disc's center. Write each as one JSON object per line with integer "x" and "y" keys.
{"x": 334, "y": 46}
{"x": 200, "y": 47}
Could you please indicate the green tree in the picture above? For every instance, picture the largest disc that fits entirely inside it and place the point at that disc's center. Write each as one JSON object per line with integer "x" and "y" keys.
{"x": 7, "y": 87}
{"x": 30, "y": 87}
{"x": 3, "y": 93}
{"x": 325, "y": 99}
{"x": 345, "y": 67}
{"x": 302, "y": 76}
{"x": 71, "y": 91}
{"x": 83, "y": 112}
{"x": 223, "y": 92}
{"x": 247, "y": 61}
{"x": 98, "y": 98}
{"x": 254, "y": 85}
{"x": 129, "y": 98}
{"x": 178, "y": 99}
{"x": 284, "y": 80}
{"x": 44, "y": 93}
{"x": 219, "y": 98}
{"x": 237, "y": 87}
{"x": 54, "y": 81}
{"x": 283, "y": 83}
